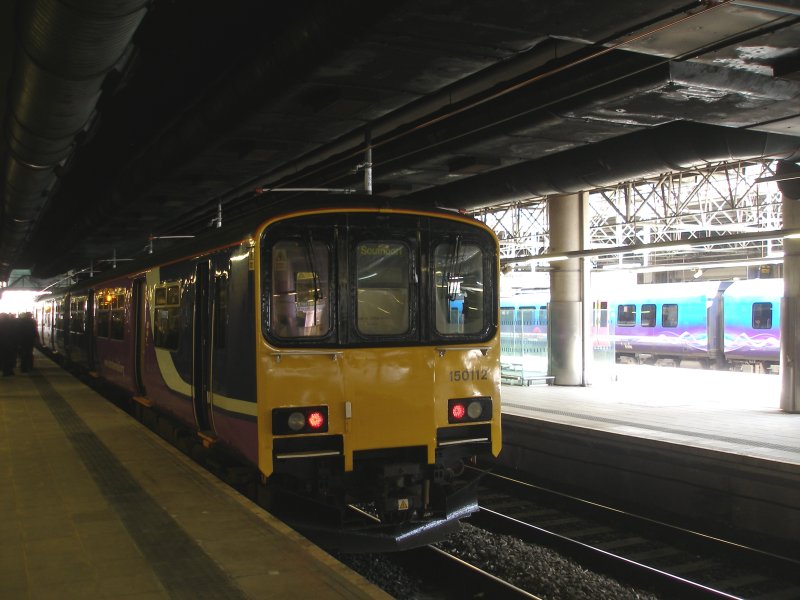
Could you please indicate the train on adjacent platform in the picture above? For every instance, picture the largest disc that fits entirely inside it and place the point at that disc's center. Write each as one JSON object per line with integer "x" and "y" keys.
{"x": 349, "y": 351}
{"x": 722, "y": 325}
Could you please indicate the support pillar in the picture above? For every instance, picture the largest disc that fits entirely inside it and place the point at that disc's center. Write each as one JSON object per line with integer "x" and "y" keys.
{"x": 569, "y": 321}
{"x": 790, "y": 307}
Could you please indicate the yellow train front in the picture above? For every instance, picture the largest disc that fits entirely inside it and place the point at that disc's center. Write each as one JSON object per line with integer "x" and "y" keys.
{"x": 377, "y": 363}
{"x": 350, "y": 354}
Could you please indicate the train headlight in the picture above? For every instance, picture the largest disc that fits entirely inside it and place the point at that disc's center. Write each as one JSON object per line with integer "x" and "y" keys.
{"x": 306, "y": 419}
{"x": 296, "y": 421}
{"x": 474, "y": 410}
{"x": 466, "y": 410}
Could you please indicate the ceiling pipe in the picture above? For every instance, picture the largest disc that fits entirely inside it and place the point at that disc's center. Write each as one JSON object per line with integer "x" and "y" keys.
{"x": 673, "y": 147}
{"x": 279, "y": 65}
{"x": 64, "y": 51}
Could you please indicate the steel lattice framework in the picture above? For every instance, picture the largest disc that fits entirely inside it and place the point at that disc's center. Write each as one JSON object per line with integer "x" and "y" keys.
{"x": 710, "y": 202}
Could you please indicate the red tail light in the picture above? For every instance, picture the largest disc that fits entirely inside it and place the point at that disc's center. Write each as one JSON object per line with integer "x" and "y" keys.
{"x": 458, "y": 411}
{"x": 316, "y": 420}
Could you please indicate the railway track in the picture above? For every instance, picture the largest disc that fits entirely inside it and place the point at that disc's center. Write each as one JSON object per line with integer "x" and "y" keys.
{"x": 666, "y": 560}
{"x": 445, "y": 575}
{"x": 476, "y": 564}
{"x": 428, "y": 572}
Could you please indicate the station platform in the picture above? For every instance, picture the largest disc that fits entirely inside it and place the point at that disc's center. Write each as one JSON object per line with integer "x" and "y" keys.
{"x": 703, "y": 449}
{"x": 95, "y": 505}
{"x": 730, "y": 412}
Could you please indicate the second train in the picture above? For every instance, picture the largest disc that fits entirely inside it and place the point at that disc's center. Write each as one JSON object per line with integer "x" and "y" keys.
{"x": 732, "y": 325}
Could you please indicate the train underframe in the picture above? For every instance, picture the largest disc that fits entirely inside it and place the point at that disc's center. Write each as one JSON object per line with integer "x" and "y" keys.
{"x": 392, "y": 500}
{"x": 704, "y": 362}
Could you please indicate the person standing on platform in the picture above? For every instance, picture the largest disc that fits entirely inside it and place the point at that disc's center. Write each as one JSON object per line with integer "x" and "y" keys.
{"x": 26, "y": 340}
{"x": 8, "y": 344}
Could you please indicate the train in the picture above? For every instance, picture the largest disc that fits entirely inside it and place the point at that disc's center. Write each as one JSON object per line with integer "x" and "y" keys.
{"x": 524, "y": 343}
{"x": 731, "y": 325}
{"x": 724, "y": 325}
{"x": 349, "y": 351}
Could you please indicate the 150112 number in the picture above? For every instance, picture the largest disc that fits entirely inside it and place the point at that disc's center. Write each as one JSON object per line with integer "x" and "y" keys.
{"x": 470, "y": 375}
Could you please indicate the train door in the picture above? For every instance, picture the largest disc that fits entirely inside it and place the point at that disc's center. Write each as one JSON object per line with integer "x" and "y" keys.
{"x": 201, "y": 347}
{"x": 219, "y": 335}
{"x": 46, "y": 324}
{"x": 138, "y": 334}
{"x": 89, "y": 331}
{"x": 716, "y": 327}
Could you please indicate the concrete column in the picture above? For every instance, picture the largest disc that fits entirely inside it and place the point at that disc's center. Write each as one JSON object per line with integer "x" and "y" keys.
{"x": 569, "y": 322}
{"x": 790, "y": 308}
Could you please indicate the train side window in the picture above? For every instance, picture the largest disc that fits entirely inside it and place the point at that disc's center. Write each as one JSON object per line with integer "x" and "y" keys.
{"x": 382, "y": 271}
{"x": 59, "y": 320}
{"x": 648, "y": 315}
{"x": 669, "y": 315}
{"x": 77, "y": 314}
{"x": 110, "y": 314}
{"x": 762, "y": 315}
{"x": 300, "y": 289}
{"x": 527, "y": 315}
{"x": 543, "y": 315}
{"x": 603, "y": 308}
{"x": 166, "y": 316}
{"x": 506, "y": 319}
{"x": 626, "y": 315}
{"x": 117, "y": 329}
{"x": 173, "y": 295}
{"x": 102, "y": 317}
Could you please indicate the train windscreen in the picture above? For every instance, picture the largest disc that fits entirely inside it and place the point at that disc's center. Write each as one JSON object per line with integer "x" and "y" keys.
{"x": 459, "y": 277}
{"x": 361, "y": 279}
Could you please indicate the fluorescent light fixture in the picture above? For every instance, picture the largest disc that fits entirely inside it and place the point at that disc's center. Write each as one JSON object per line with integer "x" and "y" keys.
{"x": 622, "y": 266}
{"x": 551, "y": 258}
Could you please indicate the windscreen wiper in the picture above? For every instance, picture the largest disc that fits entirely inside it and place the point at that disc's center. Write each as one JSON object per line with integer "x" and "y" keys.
{"x": 316, "y": 293}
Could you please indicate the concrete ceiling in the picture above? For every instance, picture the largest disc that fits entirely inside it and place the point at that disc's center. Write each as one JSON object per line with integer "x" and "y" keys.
{"x": 130, "y": 118}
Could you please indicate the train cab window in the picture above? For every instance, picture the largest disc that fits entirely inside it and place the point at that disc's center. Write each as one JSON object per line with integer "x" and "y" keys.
{"x": 382, "y": 272}
{"x": 626, "y": 315}
{"x": 669, "y": 315}
{"x": 459, "y": 277}
{"x": 648, "y": 318}
{"x": 300, "y": 294}
{"x": 762, "y": 315}
{"x": 166, "y": 316}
